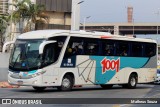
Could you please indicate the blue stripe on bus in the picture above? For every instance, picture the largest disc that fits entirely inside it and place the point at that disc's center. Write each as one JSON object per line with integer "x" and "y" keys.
{"x": 29, "y": 73}
{"x": 104, "y": 77}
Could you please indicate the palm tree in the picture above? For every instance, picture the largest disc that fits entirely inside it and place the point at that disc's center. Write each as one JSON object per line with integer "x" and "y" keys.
{"x": 36, "y": 14}
{"x": 26, "y": 11}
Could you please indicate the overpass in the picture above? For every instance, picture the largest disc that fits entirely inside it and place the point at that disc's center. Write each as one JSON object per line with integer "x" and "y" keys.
{"x": 124, "y": 28}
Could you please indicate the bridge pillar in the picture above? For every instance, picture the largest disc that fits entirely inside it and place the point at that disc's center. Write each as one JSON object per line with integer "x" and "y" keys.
{"x": 116, "y": 30}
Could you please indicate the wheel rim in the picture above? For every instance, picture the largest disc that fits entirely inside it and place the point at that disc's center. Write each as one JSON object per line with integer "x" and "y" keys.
{"x": 66, "y": 83}
{"x": 133, "y": 81}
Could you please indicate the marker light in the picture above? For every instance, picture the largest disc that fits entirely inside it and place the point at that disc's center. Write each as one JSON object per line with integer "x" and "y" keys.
{"x": 106, "y": 36}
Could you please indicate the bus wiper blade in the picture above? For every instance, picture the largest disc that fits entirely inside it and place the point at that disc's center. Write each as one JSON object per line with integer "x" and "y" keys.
{"x": 16, "y": 60}
{"x": 27, "y": 61}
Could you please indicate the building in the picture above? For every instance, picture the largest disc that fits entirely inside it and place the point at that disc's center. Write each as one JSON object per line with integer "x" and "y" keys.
{"x": 63, "y": 14}
{"x": 3, "y": 6}
{"x": 59, "y": 13}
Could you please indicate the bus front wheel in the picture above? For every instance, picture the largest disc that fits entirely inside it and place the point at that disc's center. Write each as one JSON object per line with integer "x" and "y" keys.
{"x": 132, "y": 82}
{"x": 39, "y": 88}
{"x": 67, "y": 83}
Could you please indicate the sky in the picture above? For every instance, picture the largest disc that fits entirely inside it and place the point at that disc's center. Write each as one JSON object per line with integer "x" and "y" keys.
{"x": 108, "y": 11}
{"x": 114, "y": 11}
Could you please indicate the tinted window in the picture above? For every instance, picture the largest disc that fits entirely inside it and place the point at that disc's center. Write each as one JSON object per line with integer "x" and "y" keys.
{"x": 91, "y": 47}
{"x": 60, "y": 42}
{"x": 150, "y": 50}
{"x": 74, "y": 47}
{"x": 137, "y": 49}
{"x": 50, "y": 54}
{"x": 108, "y": 48}
{"x": 122, "y": 49}
{"x": 82, "y": 46}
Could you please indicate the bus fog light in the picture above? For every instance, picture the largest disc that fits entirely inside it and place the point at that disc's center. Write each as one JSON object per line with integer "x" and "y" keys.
{"x": 34, "y": 82}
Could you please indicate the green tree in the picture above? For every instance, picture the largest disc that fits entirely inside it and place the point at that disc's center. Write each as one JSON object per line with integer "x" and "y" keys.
{"x": 26, "y": 11}
{"x": 4, "y": 22}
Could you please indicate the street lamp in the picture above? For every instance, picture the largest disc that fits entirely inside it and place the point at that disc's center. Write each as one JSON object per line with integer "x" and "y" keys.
{"x": 84, "y": 23}
{"x": 80, "y": 2}
{"x": 73, "y": 26}
{"x": 133, "y": 26}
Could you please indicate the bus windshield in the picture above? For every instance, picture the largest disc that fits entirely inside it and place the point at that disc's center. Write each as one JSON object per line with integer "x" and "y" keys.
{"x": 25, "y": 55}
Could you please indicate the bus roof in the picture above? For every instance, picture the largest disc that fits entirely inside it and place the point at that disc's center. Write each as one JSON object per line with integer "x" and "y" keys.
{"x": 41, "y": 34}
{"x": 45, "y": 34}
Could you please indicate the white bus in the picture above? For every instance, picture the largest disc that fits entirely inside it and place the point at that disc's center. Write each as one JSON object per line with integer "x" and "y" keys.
{"x": 63, "y": 59}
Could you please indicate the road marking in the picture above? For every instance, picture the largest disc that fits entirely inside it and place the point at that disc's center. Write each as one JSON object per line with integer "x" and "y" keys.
{"x": 116, "y": 105}
{"x": 123, "y": 105}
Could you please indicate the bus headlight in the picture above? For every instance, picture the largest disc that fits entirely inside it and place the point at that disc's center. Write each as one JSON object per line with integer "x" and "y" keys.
{"x": 38, "y": 73}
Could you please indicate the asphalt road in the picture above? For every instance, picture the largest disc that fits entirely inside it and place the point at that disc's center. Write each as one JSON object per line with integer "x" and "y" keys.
{"x": 142, "y": 91}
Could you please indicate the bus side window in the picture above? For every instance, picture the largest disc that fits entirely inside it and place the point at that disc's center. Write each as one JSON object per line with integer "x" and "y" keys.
{"x": 68, "y": 52}
{"x": 122, "y": 49}
{"x": 75, "y": 47}
{"x": 60, "y": 42}
{"x": 49, "y": 55}
{"x": 60, "y": 45}
{"x": 150, "y": 50}
{"x": 92, "y": 48}
{"x": 136, "y": 50}
{"x": 108, "y": 48}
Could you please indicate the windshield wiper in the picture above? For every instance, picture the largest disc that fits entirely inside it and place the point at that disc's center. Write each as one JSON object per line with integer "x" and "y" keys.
{"x": 27, "y": 61}
{"x": 16, "y": 60}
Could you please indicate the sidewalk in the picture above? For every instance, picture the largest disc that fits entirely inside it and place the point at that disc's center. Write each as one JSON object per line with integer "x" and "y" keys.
{"x": 5, "y": 84}
{"x": 4, "y": 60}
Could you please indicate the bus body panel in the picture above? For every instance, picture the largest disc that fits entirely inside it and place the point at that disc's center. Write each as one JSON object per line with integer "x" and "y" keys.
{"x": 86, "y": 69}
{"x": 107, "y": 67}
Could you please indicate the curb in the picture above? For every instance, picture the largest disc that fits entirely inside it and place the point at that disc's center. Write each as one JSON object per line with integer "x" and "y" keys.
{"x": 5, "y": 84}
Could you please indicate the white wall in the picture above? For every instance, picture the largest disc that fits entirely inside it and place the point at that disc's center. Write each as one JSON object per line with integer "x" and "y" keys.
{"x": 4, "y": 61}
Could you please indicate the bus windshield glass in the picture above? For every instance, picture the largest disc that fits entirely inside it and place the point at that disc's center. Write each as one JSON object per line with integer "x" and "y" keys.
{"x": 25, "y": 55}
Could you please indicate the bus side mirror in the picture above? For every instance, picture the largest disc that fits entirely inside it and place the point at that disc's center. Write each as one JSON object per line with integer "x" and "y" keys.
{"x": 43, "y": 44}
{"x": 6, "y": 44}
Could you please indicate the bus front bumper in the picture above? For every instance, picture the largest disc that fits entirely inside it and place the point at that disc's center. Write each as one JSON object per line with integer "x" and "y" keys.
{"x": 36, "y": 81}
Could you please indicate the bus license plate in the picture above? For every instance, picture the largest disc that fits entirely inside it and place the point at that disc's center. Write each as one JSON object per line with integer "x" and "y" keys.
{"x": 19, "y": 82}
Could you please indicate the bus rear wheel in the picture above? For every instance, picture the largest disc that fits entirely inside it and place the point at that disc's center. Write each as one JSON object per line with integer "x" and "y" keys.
{"x": 39, "y": 88}
{"x": 67, "y": 83}
{"x": 107, "y": 86}
{"x": 132, "y": 82}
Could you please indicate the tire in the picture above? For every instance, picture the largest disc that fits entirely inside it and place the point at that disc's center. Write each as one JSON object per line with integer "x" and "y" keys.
{"x": 67, "y": 83}
{"x": 107, "y": 86}
{"x": 39, "y": 89}
{"x": 132, "y": 82}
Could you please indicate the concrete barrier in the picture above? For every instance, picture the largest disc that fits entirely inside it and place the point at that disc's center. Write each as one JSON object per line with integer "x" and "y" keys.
{"x": 4, "y": 61}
